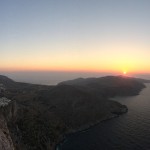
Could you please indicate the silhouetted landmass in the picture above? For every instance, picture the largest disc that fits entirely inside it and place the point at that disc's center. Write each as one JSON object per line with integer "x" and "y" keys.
{"x": 41, "y": 115}
{"x": 110, "y": 85}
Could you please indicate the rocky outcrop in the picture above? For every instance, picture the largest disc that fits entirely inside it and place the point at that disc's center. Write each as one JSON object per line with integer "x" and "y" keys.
{"x": 7, "y": 112}
{"x": 5, "y": 138}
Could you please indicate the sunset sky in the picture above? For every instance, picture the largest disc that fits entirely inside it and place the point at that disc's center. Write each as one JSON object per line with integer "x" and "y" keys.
{"x": 75, "y": 35}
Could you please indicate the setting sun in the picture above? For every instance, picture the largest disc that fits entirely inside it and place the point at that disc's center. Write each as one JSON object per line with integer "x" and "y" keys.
{"x": 124, "y": 72}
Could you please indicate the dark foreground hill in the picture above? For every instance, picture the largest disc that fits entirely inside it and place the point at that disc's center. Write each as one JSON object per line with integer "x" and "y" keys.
{"x": 41, "y": 115}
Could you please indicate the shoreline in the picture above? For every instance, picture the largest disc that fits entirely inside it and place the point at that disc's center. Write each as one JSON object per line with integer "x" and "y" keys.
{"x": 84, "y": 129}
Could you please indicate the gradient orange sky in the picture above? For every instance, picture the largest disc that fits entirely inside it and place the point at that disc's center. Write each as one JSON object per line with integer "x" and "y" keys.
{"x": 101, "y": 36}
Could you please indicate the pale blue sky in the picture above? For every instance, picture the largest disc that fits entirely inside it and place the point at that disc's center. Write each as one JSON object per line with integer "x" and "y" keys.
{"x": 77, "y": 34}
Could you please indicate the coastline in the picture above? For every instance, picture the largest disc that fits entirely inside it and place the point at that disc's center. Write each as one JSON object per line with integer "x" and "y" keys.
{"x": 86, "y": 127}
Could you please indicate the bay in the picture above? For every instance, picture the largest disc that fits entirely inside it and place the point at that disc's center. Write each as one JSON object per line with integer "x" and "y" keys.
{"x": 130, "y": 131}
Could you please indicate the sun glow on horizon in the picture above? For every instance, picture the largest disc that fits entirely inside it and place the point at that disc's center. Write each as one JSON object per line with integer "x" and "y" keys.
{"x": 124, "y": 72}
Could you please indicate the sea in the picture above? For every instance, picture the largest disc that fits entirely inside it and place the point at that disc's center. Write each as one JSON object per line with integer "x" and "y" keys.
{"x": 130, "y": 131}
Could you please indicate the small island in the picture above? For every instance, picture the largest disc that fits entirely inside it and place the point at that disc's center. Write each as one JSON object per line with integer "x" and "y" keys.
{"x": 42, "y": 115}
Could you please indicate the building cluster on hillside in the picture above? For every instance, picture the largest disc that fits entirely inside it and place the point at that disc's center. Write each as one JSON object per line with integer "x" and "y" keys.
{"x": 4, "y": 101}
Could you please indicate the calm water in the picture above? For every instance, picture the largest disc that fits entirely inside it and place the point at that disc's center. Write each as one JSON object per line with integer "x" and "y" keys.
{"x": 54, "y": 77}
{"x": 130, "y": 131}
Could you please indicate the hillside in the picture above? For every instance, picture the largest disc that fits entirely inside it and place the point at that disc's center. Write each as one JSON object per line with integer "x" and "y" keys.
{"x": 46, "y": 113}
{"x": 109, "y": 85}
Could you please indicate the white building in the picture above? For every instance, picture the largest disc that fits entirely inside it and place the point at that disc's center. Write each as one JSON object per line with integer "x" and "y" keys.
{"x": 4, "y": 101}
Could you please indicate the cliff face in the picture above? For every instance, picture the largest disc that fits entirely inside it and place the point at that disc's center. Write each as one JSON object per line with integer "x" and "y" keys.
{"x": 7, "y": 113}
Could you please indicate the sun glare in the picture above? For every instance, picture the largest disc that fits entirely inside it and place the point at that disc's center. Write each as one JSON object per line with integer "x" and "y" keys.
{"x": 124, "y": 72}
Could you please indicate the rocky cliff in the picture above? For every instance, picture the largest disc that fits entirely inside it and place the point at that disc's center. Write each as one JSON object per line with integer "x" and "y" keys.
{"x": 7, "y": 113}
